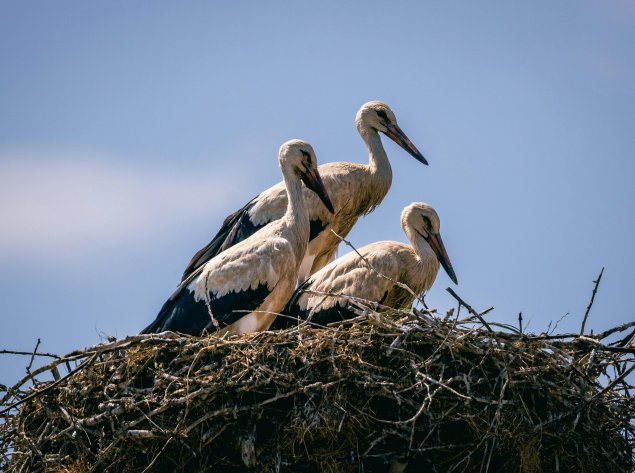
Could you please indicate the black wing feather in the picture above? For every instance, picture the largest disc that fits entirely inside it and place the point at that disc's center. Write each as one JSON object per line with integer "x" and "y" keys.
{"x": 181, "y": 313}
{"x": 293, "y": 313}
{"x": 320, "y": 318}
{"x": 317, "y": 227}
{"x": 184, "y": 315}
{"x": 236, "y": 227}
{"x": 290, "y": 314}
{"x": 163, "y": 318}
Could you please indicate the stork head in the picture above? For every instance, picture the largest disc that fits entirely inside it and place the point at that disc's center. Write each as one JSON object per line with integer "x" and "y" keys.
{"x": 378, "y": 116}
{"x": 299, "y": 157}
{"x": 421, "y": 224}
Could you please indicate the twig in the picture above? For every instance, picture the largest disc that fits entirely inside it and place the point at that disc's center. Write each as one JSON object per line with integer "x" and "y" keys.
{"x": 619, "y": 328}
{"x": 469, "y": 308}
{"x": 624, "y": 341}
{"x": 617, "y": 380}
{"x": 156, "y": 457}
{"x": 28, "y": 368}
{"x": 39, "y": 392}
{"x": 487, "y": 311}
{"x": 29, "y": 353}
{"x": 588, "y": 309}
{"x": 551, "y": 330}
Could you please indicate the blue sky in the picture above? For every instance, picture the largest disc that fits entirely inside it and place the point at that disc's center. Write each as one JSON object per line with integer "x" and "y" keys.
{"x": 128, "y": 130}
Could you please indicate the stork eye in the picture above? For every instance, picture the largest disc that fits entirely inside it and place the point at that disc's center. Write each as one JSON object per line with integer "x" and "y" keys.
{"x": 427, "y": 224}
{"x": 306, "y": 156}
{"x": 382, "y": 114}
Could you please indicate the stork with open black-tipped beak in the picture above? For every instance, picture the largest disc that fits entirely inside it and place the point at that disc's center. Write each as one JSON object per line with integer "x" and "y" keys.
{"x": 356, "y": 189}
{"x": 378, "y": 276}
{"x": 242, "y": 289}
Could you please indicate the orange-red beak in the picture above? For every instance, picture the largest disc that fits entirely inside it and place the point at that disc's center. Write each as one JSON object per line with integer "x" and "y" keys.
{"x": 436, "y": 243}
{"x": 313, "y": 181}
{"x": 398, "y": 136}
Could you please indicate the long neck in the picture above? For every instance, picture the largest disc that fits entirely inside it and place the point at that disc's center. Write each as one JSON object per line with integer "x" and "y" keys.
{"x": 296, "y": 213}
{"x": 377, "y": 158}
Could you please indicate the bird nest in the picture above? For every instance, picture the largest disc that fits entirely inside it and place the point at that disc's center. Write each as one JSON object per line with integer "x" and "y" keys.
{"x": 384, "y": 392}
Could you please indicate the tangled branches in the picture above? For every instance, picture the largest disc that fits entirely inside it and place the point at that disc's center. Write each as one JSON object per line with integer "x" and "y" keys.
{"x": 384, "y": 392}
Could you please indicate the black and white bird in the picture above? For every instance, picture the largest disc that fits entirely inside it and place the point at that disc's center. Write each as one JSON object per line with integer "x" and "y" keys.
{"x": 378, "y": 276}
{"x": 356, "y": 189}
{"x": 242, "y": 289}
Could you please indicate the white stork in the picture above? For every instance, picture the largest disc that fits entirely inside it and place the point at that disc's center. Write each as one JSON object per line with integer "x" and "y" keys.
{"x": 356, "y": 189}
{"x": 242, "y": 289}
{"x": 378, "y": 276}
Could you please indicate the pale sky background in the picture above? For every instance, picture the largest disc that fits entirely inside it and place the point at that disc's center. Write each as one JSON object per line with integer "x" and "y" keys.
{"x": 128, "y": 130}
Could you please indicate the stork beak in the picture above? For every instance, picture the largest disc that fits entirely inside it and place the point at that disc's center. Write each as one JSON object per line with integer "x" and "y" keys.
{"x": 398, "y": 136}
{"x": 436, "y": 243}
{"x": 313, "y": 181}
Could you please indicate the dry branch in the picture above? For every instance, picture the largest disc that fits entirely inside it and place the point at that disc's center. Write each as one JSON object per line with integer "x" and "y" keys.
{"x": 379, "y": 393}
{"x": 588, "y": 309}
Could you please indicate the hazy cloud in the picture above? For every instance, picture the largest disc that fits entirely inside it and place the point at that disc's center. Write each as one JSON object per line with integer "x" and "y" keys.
{"x": 52, "y": 203}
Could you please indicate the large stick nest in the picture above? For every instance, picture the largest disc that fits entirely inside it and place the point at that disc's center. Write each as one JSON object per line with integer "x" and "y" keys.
{"x": 405, "y": 392}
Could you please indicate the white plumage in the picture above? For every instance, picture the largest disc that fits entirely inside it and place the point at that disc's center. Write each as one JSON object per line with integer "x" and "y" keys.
{"x": 355, "y": 189}
{"x": 241, "y": 289}
{"x": 378, "y": 275}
